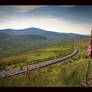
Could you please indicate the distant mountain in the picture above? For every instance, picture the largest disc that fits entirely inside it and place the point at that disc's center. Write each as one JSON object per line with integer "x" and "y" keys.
{"x": 37, "y": 31}
{"x": 16, "y": 41}
{"x": 38, "y": 34}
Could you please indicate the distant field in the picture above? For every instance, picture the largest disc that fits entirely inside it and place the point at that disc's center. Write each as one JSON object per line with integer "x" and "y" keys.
{"x": 76, "y": 72}
{"x": 32, "y": 57}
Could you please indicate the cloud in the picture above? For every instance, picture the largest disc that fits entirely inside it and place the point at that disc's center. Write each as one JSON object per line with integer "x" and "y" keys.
{"x": 67, "y": 6}
{"x": 25, "y": 8}
{"x": 50, "y": 24}
{"x": 12, "y": 18}
{"x": 7, "y": 12}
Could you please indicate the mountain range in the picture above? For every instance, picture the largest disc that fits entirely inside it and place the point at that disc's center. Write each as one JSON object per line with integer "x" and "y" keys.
{"x": 16, "y": 41}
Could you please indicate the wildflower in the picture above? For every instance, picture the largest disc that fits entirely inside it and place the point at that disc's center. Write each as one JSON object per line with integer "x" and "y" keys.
{"x": 89, "y": 82}
{"x": 38, "y": 69}
{"x": 27, "y": 73}
{"x": 14, "y": 77}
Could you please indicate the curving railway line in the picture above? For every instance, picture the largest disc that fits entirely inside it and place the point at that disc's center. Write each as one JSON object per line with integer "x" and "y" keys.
{"x": 18, "y": 71}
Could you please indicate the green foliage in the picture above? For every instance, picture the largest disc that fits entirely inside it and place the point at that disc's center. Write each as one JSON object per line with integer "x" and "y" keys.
{"x": 71, "y": 73}
{"x": 37, "y": 56}
{"x": 15, "y": 42}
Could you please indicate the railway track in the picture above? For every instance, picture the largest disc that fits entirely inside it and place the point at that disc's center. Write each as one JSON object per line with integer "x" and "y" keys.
{"x": 17, "y": 71}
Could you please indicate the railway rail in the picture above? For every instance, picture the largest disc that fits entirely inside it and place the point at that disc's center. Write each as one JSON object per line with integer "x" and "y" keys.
{"x": 18, "y": 71}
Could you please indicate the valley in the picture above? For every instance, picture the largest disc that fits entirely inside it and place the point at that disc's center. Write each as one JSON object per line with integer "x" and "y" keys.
{"x": 70, "y": 73}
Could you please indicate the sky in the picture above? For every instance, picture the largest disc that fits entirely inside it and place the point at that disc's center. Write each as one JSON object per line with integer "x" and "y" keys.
{"x": 57, "y": 18}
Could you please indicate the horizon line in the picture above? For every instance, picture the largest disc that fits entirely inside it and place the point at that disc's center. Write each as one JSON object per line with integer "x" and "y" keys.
{"x": 41, "y": 29}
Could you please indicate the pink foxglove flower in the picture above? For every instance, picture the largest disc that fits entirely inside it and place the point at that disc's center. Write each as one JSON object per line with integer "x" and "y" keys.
{"x": 14, "y": 77}
{"x": 27, "y": 73}
{"x": 89, "y": 82}
{"x": 38, "y": 69}
{"x": 89, "y": 42}
{"x": 89, "y": 51}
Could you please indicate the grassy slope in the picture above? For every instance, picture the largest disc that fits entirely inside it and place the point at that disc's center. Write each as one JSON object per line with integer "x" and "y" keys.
{"x": 68, "y": 74}
{"x": 30, "y": 40}
{"x": 33, "y": 57}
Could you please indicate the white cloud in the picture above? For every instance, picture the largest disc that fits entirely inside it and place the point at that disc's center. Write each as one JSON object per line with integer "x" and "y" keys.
{"x": 25, "y": 8}
{"x": 50, "y": 24}
{"x": 16, "y": 21}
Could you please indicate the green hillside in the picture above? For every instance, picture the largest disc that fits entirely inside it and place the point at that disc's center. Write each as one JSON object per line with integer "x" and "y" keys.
{"x": 76, "y": 72}
{"x": 41, "y": 55}
{"x": 13, "y": 42}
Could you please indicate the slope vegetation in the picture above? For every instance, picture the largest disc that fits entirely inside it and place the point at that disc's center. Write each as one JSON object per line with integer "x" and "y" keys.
{"x": 76, "y": 72}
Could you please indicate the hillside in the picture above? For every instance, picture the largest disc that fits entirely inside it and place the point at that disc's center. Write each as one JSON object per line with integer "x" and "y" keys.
{"x": 32, "y": 57}
{"x": 76, "y": 72}
{"x": 13, "y": 42}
